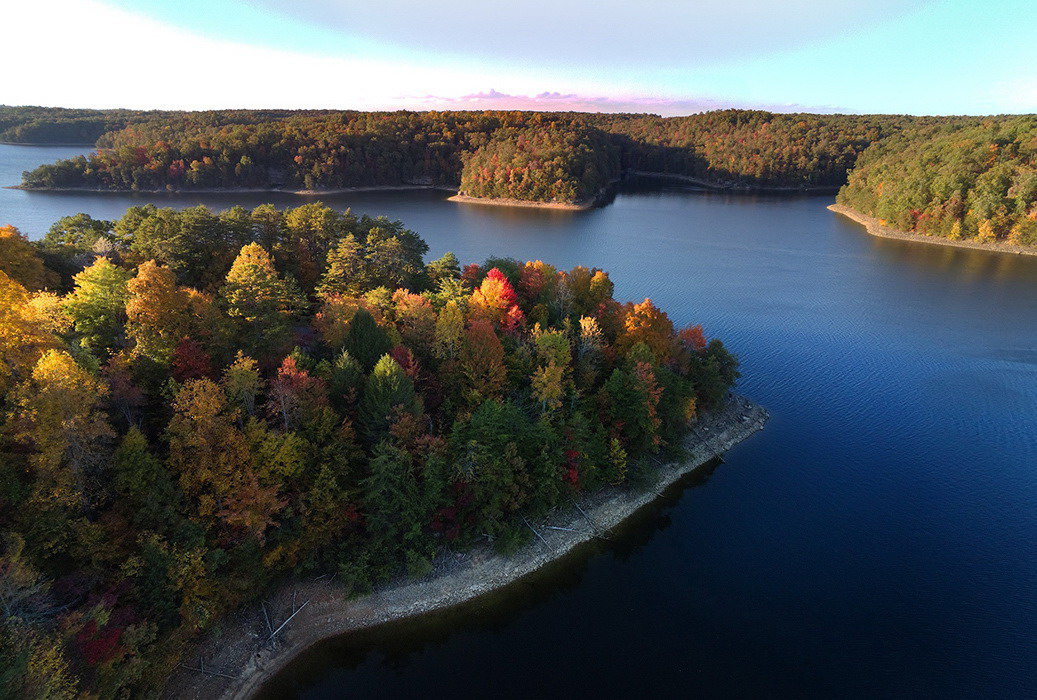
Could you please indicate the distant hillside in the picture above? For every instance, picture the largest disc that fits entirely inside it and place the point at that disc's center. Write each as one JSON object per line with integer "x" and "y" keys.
{"x": 967, "y": 179}
{"x": 523, "y": 155}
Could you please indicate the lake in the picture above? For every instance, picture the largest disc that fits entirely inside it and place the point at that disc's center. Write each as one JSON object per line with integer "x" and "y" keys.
{"x": 879, "y": 537}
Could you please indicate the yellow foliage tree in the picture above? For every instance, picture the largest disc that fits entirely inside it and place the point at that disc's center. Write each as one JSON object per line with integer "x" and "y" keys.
{"x": 19, "y": 260}
{"x": 206, "y": 449}
{"x": 646, "y": 323}
{"x": 58, "y": 413}
{"x": 23, "y": 335}
{"x": 157, "y": 312}
{"x": 449, "y": 331}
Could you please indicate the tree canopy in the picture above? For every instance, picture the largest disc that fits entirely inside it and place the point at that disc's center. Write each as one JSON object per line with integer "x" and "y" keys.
{"x": 198, "y": 409}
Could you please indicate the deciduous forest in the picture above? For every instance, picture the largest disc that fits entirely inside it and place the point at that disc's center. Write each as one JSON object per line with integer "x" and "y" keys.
{"x": 196, "y": 405}
{"x": 971, "y": 179}
{"x": 961, "y": 177}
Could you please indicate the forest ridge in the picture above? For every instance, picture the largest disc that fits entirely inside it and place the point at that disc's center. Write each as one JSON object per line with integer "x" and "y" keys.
{"x": 969, "y": 178}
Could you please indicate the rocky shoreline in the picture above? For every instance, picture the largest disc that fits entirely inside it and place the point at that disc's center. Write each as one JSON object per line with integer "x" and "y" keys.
{"x": 239, "y": 660}
{"x": 877, "y": 228}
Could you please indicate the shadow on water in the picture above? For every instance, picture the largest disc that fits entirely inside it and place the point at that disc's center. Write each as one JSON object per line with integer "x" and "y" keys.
{"x": 394, "y": 643}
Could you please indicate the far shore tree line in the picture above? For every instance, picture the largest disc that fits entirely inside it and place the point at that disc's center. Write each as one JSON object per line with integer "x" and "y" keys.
{"x": 960, "y": 177}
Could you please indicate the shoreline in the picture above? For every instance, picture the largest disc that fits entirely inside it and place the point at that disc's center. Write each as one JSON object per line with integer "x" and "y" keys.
{"x": 44, "y": 145}
{"x": 530, "y": 204}
{"x": 241, "y": 190}
{"x": 876, "y": 228}
{"x": 711, "y": 185}
{"x": 239, "y": 662}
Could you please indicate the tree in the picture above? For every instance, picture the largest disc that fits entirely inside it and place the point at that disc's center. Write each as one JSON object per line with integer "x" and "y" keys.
{"x": 482, "y": 363}
{"x": 310, "y": 232}
{"x": 263, "y": 304}
{"x": 489, "y": 454}
{"x": 366, "y": 341}
{"x": 390, "y": 261}
{"x": 207, "y": 451}
{"x": 391, "y": 503}
{"x": 444, "y": 269}
{"x": 78, "y": 230}
{"x": 98, "y": 306}
{"x": 23, "y": 334}
{"x": 157, "y": 312}
{"x": 148, "y": 493}
{"x": 346, "y": 270}
{"x": 630, "y": 400}
{"x": 388, "y": 389}
{"x": 58, "y": 414}
{"x": 19, "y": 261}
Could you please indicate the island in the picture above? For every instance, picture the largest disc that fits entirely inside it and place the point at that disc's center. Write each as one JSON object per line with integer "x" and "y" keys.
{"x": 203, "y": 410}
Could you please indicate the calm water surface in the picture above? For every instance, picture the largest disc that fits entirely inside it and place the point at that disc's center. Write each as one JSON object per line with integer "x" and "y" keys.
{"x": 879, "y": 538}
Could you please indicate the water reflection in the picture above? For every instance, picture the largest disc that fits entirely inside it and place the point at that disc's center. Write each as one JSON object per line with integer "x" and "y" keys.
{"x": 396, "y": 643}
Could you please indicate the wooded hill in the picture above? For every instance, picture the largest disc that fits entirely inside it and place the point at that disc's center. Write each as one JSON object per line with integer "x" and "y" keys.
{"x": 960, "y": 177}
{"x": 563, "y": 157}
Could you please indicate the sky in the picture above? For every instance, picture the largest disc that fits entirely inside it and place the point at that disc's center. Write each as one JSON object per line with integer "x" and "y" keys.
{"x": 668, "y": 57}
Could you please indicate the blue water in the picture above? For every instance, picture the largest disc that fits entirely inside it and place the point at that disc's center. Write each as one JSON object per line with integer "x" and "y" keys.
{"x": 878, "y": 538}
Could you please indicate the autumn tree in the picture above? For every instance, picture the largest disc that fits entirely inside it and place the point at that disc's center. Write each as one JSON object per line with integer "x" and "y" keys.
{"x": 243, "y": 383}
{"x": 98, "y": 306}
{"x": 494, "y": 297}
{"x": 24, "y": 334}
{"x": 295, "y": 395}
{"x": 264, "y": 305}
{"x": 207, "y": 450}
{"x": 18, "y": 259}
{"x": 415, "y": 319}
{"x": 646, "y": 323}
{"x": 58, "y": 414}
{"x": 450, "y": 331}
{"x": 482, "y": 363}
{"x": 157, "y": 312}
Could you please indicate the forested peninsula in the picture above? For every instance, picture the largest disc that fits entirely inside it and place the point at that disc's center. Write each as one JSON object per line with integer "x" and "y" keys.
{"x": 197, "y": 407}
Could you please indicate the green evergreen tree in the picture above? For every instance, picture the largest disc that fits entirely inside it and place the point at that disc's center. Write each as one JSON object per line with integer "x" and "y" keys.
{"x": 388, "y": 389}
{"x": 347, "y": 270}
{"x": 366, "y": 341}
{"x": 148, "y": 492}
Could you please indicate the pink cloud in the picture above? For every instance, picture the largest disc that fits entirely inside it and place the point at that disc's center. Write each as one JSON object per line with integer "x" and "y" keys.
{"x": 571, "y": 102}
